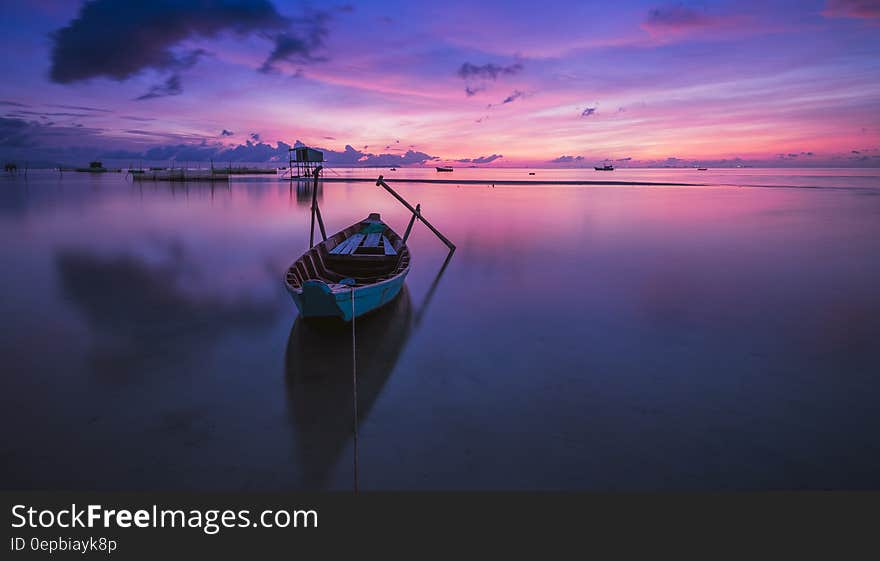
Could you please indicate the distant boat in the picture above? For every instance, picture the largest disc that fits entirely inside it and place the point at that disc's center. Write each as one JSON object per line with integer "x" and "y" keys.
{"x": 353, "y": 272}
{"x": 606, "y": 167}
{"x": 702, "y": 169}
{"x": 393, "y": 169}
{"x": 439, "y": 168}
{"x": 531, "y": 173}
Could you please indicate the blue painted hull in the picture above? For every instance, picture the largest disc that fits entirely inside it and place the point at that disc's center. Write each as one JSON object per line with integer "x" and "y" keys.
{"x": 317, "y": 298}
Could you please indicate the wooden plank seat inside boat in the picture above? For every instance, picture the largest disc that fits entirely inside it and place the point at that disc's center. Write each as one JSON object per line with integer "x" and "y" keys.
{"x": 374, "y": 243}
{"x": 356, "y": 253}
{"x": 372, "y": 240}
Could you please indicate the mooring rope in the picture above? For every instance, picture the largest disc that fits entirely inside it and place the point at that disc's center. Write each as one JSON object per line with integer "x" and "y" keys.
{"x": 354, "y": 383}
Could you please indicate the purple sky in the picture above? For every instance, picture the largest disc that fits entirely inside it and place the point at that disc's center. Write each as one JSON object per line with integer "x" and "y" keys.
{"x": 408, "y": 83}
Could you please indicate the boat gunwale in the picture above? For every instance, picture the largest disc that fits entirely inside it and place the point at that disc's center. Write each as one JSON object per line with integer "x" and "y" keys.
{"x": 402, "y": 251}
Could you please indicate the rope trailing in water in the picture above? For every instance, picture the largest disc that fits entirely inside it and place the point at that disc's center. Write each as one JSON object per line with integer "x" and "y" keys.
{"x": 354, "y": 382}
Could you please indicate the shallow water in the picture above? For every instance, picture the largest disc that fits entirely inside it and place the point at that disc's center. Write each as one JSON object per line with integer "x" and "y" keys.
{"x": 597, "y": 337}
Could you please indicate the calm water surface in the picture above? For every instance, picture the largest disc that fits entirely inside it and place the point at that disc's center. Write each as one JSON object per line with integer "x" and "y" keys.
{"x": 715, "y": 337}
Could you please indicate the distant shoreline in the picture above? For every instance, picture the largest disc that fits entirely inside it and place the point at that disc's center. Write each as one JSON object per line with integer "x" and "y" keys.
{"x": 500, "y": 181}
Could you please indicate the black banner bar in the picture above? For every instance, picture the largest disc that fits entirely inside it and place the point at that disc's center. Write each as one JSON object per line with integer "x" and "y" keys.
{"x": 413, "y": 524}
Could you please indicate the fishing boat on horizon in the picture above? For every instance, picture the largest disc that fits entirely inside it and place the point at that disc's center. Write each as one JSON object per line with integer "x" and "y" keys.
{"x": 605, "y": 167}
{"x": 442, "y": 168}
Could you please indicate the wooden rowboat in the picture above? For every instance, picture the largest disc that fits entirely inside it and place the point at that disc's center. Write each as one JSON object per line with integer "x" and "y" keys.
{"x": 351, "y": 273}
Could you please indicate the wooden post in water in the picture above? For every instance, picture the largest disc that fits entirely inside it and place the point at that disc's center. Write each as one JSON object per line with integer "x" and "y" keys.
{"x": 416, "y": 212}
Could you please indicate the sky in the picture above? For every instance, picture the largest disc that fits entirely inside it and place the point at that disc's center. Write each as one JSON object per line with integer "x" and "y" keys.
{"x": 488, "y": 83}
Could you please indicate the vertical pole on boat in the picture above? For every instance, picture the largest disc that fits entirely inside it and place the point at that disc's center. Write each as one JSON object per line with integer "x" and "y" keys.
{"x": 411, "y": 222}
{"x": 315, "y": 201}
{"x": 312, "y": 226}
{"x": 316, "y": 211}
{"x": 416, "y": 212}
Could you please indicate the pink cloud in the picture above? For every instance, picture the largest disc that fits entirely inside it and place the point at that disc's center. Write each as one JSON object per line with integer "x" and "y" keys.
{"x": 862, "y": 9}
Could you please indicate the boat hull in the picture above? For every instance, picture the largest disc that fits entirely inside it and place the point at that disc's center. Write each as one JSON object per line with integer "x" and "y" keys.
{"x": 354, "y": 272}
{"x": 317, "y": 300}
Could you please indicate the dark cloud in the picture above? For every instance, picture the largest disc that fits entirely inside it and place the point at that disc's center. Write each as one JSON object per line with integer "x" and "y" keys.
{"x": 119, "y": 39}
{"x": 13, "y": 103}
{"x": 481, "y": 159}
{"x": 352, "y": 157}
{"x": 299, "y": 44}
{"x": 855, "y": 152}
{"x": 566, "y": 159}
{"x": 514, "y": 96}
{"x": 628, "y": 158}
{"x": 588, "y": 111}
{"x": 260, "y": 152}
{"x": 487, "y": 71}
{"x": 255, "y": 136}
{"x": 484, "y": 73}
{"x": 171, "y": 86}
{"x": 225, "y": 132}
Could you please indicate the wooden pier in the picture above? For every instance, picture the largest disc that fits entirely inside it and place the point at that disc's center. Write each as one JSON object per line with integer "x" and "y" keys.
{"x": 181, "y": 175}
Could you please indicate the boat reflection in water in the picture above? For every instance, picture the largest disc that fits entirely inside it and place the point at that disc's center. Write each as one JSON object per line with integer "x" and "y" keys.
{"x": 319, "y": 379}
